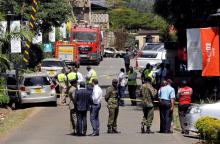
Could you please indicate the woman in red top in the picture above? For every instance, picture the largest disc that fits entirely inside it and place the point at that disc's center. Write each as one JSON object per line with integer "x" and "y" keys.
{"x": 184, "y": 98}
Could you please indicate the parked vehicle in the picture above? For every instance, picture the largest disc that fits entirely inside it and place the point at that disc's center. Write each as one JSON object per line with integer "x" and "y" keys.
{"x": 36, "y": 88}
{"x": 112, "y": 52}
{"x": 197, "y": 111}
{"x": 68, "y": 52}
{"x": 89, "y": 42}
{"x": 153, "y": 53}
{"x": 53, "y": 66}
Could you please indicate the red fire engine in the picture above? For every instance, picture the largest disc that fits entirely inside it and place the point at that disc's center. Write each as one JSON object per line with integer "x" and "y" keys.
{"x": 89, "y": 43}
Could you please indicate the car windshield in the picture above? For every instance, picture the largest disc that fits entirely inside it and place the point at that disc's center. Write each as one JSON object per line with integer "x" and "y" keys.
{"x": 84, "y": 36}
{"x": 53, "y": 64}
{"x": 148, "y": 55}
{"x": 36, "y": 81}
{"x": 153, "y": 47}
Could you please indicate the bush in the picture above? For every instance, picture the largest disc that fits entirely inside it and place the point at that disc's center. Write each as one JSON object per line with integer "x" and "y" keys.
{"x": 209, "y": 129}
{"x": 4, "y": 99}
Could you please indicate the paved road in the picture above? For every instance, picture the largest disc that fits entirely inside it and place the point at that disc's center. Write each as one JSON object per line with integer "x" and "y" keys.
{"x": 52, "y": 126}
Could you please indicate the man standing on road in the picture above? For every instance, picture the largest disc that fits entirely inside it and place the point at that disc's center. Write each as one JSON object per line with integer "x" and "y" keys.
{"x": 95, "y": 107}
{"x": 122, "y": 82}
{"x": 166, "y": 96}
{"x": 111, "y": 98}
{"x": 184, "y": 98}
{"x": 82, "y": 104}
{"x": 127, "y": 60}
{"x": 132, "y": 85}
{"x": 148, "y": 93}
{"x": 71, "y": 94}
{"x": 90, "y": 75}
{"x": 62, "y": 81}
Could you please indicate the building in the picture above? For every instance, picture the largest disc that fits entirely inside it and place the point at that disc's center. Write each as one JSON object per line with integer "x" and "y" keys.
{"x": 143, "y": 35}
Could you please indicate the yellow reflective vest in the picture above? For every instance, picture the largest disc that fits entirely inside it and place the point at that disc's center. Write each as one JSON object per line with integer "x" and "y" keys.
{"x": 61, "y": 77}
{"x": 72, "y": 76}
{"x": 93, "y": 76}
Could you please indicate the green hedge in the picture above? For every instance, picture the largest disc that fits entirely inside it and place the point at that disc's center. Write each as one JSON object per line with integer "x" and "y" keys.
{"x": 4, "y": 99}
{"x": 209, "y": 129}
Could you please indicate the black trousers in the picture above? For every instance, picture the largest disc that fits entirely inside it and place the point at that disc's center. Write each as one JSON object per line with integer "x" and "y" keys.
{"x": 127, "y": 67}
{"x": 81, "y": 122}
{"x": 182, "y": 109}
{"x": 132, "y": 93}
{"x": 165, "y": 116}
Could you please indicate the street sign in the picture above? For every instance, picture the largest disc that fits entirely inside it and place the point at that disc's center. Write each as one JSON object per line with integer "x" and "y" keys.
{"x": 37, "y": 39}
{"x": 48, "y": 47}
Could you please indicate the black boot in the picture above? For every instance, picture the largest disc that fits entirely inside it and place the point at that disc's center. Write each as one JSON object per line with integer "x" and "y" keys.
{"x": 148, "y": 130}
{"x": 142, "y": 128}
{"x": 114, "y": 130}
{"x": 109, "y": 130}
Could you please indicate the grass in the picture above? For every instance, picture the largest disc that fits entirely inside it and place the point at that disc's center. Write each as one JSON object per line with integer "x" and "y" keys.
{"x": 12, "y": 119}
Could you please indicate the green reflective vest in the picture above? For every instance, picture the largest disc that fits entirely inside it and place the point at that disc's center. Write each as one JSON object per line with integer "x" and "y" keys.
{"x": 153, "y": 79}
{"x": 72, "y": 76}
{"x": 94, "y": 76}
{"x": 61, "y": 77}
{"x": 132, "y": 78}
{"x": 146, "y": 72}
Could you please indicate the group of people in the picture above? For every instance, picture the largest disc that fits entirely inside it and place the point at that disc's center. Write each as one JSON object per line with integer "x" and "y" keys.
{"x": 157, "y": 83}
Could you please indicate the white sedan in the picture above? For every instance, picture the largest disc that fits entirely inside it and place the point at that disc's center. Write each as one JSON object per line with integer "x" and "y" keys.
{"x": 197, "y": 111}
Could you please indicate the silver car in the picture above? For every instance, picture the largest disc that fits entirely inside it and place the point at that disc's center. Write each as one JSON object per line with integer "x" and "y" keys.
{"x": 53, "y": 66}
{"x": 197, "y": 111}
{"x": 36, "y": 88}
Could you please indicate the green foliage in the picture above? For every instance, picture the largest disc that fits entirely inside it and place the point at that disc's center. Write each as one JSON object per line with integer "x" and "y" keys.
{"x": 4, "y": 99}
{"x": 4, "y": 63}
{"x": 130, "y": 43}
{"x": 125, "y": 18}
{"x": 209, "y": 129}
{"x": 49, "y": 12}
{"x": 187, "y": 14}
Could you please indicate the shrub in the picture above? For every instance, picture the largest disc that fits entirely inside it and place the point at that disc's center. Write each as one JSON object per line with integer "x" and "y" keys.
{"x": 209, "y": 129}
{"x": 4, "y": 99}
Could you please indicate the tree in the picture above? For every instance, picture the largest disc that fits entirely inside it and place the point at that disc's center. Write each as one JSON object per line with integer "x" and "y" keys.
{"x": 186, "y": 14}
{"x": 50, "y": 12}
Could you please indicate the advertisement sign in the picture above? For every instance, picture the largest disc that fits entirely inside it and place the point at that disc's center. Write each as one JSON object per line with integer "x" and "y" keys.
{"x": 52, "y": 35}
{"x": 210, "y": 51}
{"x": 15, "y": 27}
{"x": 194, "y": 54}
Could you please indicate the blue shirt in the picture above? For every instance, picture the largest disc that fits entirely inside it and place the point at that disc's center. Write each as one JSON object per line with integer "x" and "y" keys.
{"x": 166, "y": 93}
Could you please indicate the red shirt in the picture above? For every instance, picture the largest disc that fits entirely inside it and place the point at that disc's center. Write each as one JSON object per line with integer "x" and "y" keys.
{"x": 185, "y": 95}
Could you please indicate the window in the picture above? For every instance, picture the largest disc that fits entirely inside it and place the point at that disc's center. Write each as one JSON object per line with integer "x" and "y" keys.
{"x": 53, "y": 64}
{"x": 11, "y": 81}
{"x": 153, "y": 47}
{"x": 148, "y": 55}
{"x": 36, "y": 81}
{"x": 84, "y": 36}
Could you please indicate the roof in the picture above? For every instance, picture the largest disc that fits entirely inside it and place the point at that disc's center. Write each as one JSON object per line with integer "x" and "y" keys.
{"x": 51, "y": 59}
{"x": 99, "y": 3}
{"x": 35, "y": 74}
{"x": 145, "y": 32}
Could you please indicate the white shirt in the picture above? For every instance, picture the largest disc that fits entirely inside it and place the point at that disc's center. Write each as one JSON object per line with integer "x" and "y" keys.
{"x": 122, "y": 79}
{"x": 80, "y": 77}
{"x": 96, "y": 94}
{"x": 89, "y": 74}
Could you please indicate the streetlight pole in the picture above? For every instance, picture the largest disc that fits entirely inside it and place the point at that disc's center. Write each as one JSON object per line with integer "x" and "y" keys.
{"x": 217, "y": 16}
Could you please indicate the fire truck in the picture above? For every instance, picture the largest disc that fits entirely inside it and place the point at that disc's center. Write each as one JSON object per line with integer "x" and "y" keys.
{"x": 68, "y": 52}
{"x": 89, "y": 43}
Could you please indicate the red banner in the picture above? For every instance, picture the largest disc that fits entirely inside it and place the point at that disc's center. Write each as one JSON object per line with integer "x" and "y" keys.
{"x": 210, "y": 51}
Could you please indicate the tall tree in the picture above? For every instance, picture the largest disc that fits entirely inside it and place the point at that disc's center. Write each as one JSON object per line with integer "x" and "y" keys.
{"x": 186, "y": 14}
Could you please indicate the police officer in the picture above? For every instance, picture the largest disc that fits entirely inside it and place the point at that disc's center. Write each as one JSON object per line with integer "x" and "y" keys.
{"x": 90, "y": 75}
{"x": 72, "y": 75}
{"x": 184, "y": 95}
{"x": 166, "y": 96}
{"x": 132, "y": 85}
{"x": 71, "y": 94}
{"x": 111, "y": 98}
{"x": 148, "y": 93}
{"x": 62, "y": 81}
{"x": 145, "y": 72}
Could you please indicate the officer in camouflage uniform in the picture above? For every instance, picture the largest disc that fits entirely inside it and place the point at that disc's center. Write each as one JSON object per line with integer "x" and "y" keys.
{"x": 112, "y": 100}
{"x": 147, "y": 92}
